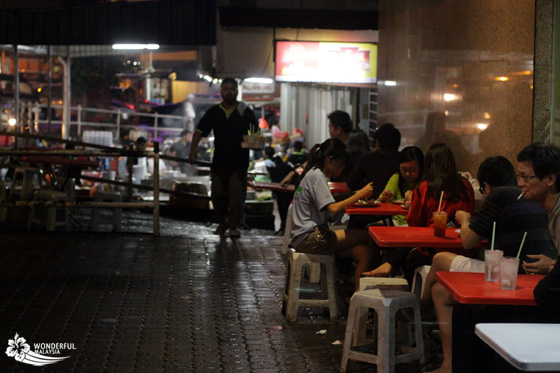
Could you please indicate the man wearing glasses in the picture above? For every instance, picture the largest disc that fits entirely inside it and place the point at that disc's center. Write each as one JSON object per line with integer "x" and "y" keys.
{"x": 538, "y": 176}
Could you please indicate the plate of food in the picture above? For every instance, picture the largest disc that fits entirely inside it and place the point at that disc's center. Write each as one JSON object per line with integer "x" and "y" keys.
{"x": 366, "y": 203}
{"x": 399, "y": 201}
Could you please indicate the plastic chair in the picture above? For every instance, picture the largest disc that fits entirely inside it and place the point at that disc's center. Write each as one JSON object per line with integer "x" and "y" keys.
{"x": 386, "y": 303}
{"x": 294, "y": 273}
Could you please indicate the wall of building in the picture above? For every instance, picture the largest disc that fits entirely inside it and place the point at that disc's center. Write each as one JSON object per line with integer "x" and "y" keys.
{"x": 546, "y": 109}
{"x": 472, "y": 60}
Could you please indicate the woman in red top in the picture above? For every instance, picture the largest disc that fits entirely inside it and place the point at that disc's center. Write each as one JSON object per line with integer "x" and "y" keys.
{"x": 440, "y": 174}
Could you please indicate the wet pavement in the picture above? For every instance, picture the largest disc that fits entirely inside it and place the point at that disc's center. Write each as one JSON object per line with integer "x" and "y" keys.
{"x": 185, "y": 301}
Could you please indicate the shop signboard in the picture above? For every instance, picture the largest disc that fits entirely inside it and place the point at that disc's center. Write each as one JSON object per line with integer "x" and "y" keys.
{"x": 258, "y": 88}
{"x": 326, "y": 62}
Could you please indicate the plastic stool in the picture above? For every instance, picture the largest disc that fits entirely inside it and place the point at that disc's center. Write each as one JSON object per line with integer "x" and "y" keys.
{"x": 369, "y": 283}
{"x": 383, "y": 283}
{"x": 386, "y": 303}
{"x": 315, "y": 270}
{"x": 47, "y": 214}
{"x": 419, "y": 280}
{"x": 117, "y": 212}
{"x": 294, "y": 273}
{"x": 28, "y": 177}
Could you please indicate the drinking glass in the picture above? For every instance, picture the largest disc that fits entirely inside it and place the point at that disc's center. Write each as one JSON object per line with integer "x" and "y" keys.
{"x": 492, "y": 259}
{"x": 440, "y": 222}
{"x": 508, "y": 272}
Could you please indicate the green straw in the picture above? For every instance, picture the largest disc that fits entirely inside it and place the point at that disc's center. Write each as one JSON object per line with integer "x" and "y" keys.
{"x": 493, "y": 235}
{"x": 521, "y": 246}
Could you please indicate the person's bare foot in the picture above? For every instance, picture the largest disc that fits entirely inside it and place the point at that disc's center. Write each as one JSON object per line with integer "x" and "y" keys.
{"x": 384, "y": 270}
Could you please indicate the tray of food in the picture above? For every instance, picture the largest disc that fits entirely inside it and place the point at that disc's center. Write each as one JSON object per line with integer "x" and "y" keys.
{"x": 366, "y": 203}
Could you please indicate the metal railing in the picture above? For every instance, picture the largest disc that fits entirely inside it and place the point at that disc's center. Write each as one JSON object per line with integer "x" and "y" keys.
{"x": 115, "y": 121}
{"x": 103, "y": 152}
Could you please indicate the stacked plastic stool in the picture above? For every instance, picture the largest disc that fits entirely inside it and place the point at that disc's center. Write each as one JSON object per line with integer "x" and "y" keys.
{"x": 117, "y": 212}
{"x": 47, "y": 215}
{"x": 386, "y": 303}
{"x": 297, "y": 262}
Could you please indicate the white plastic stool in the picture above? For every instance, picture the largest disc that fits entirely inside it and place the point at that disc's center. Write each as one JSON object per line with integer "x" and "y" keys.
{"x": 419, "y": 280}
{"x": 294, "y": 273}
{"x": 383, "y": 283}
{"x": 46, "y": 215}
{"x": 315, "y": 269}
{"x": 386, "y": 303}
{"x": 369, "y": 283}
{"x": 27, "y": 176}
{"x": 96, "y": 214}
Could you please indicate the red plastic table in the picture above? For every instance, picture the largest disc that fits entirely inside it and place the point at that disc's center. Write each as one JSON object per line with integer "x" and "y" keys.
{"x": 377, "y": 209}
{"x": 414, "y": 236}
{"x": 47, "y": 163}
{"x": 58, "y": 160}
{"x": 466, "y": 287}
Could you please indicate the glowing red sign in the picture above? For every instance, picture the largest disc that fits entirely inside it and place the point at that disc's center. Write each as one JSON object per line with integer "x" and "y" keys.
{"x": 326, "y": 62}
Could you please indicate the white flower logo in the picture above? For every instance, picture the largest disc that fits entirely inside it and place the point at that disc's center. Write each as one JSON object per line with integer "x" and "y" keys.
{"x": 17, "y": 348}
{"x": 20, "y": 350}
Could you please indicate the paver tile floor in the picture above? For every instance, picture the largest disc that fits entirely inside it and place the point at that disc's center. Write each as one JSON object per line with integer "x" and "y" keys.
{"x": 184, "y": 301}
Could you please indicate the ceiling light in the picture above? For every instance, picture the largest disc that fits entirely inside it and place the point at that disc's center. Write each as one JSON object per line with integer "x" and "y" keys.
{"x": 135, "y": 46}
{"x": 449, "y": 97}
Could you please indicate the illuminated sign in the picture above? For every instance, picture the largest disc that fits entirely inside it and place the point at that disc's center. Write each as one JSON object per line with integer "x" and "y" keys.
{"x": 326, "y": 62}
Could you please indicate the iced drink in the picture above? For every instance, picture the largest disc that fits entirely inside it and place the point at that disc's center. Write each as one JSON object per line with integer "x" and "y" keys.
{"x": 440, "y": 222}
{"x": 508, "y": 272}
{"x": 492, "y": 259}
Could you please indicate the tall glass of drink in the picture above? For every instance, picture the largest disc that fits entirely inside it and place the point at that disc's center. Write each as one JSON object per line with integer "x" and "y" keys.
{"x": 440, "y": 222}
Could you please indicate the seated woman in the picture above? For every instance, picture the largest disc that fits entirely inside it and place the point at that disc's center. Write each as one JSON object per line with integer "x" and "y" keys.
{"x": 313, "y": 202}
{"x": 513, "y": 217}
{"x": 440, "y": 182}
{"x": 399, "y": 187}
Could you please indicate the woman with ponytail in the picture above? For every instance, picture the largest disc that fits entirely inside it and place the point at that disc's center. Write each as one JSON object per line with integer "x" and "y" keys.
{"x": 313, "y": 203}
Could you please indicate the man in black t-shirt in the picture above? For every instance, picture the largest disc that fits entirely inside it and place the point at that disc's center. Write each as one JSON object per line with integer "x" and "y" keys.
{"x": 513, "y": 216}
{"x": 229, "y": 121}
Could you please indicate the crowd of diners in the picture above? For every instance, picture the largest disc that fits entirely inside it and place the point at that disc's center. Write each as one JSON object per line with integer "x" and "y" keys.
{"x": 520, "y": 196}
